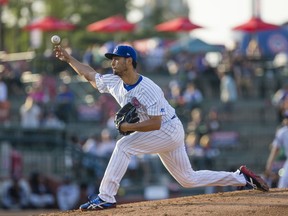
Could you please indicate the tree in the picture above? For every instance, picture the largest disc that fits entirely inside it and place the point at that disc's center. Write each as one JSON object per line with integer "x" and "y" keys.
{"x": 19, "y": 13}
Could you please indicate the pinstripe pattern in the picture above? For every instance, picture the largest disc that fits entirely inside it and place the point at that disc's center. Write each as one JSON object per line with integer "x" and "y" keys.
{"x": 168, "y": 142}
{"x": 150, "y": 96}
{"x": 281, "y": 141}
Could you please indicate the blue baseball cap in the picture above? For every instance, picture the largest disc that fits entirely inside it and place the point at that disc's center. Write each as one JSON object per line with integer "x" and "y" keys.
{"x": 123, "y": 51}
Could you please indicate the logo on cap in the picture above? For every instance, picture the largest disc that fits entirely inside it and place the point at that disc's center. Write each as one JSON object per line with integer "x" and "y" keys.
{"x": 115, "y": 49}
{"x": 123, "y": 51}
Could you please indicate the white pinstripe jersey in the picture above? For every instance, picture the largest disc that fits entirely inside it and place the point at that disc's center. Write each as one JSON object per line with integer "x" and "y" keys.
{"x": 281, "y": 139}
{"x": 149, "y": 95}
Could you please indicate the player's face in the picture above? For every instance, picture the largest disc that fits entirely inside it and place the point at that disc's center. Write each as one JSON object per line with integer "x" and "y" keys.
{"x": 119, "y": 66}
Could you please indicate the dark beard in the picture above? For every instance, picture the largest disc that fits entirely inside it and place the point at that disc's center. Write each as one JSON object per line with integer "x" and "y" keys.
{"x": 115, "y": 73}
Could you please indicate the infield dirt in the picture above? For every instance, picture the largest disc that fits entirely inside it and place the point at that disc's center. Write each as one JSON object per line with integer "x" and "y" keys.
{"x": 248, "y": 202}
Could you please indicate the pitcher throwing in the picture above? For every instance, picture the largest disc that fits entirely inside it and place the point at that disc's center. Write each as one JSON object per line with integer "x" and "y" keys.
{"x": 157, "y": 130}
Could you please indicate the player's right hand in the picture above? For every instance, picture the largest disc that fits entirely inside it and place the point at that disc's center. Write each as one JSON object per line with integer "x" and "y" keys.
{"x": 61, "y": 53}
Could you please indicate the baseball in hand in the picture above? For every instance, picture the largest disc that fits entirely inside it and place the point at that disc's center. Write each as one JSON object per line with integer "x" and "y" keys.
{"x": 55, "y": 39}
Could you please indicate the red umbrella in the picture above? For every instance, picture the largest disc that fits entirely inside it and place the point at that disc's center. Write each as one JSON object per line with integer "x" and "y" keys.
{"x": 50, "y": 24}
{"x": 3, "y": 2}
{"x": 111, "y": 24}
{"x": 180, "y": 24}
{"x": 256, "y": 24}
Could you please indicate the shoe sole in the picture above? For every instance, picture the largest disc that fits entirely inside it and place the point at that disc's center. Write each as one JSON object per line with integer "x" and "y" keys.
{"x": 260, "y": 183}
{"x": 98, "y": 209}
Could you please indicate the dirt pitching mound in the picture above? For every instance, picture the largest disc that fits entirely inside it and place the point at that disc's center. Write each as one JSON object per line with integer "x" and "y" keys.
{"x": 238, "y": 203}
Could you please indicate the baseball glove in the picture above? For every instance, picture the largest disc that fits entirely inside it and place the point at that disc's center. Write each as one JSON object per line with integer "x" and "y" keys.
{"x": 126, "y": 114}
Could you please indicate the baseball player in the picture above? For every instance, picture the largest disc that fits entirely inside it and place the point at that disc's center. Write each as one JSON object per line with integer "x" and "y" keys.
{"x": 280, "y": 141}
{"x": 159, "y": 130}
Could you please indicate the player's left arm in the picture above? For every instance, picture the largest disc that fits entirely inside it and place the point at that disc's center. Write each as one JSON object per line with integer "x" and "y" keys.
{"x": 153, "y": 123}
{"x": 273, "y": 153}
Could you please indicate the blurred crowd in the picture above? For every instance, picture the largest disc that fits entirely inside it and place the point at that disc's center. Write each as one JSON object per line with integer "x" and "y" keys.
{"x": 40, "y": 192}
{"x": 85, "y": 163}
{"x": 52, "y": 96}
{"x": 50, "y": 101}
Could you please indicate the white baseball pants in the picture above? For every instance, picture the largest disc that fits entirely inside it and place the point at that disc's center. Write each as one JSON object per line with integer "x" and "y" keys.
{"x": 168, "y": 143}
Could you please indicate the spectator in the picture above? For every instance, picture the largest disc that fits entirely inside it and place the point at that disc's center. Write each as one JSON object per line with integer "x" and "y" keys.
{"x": 97, "y": 56}
{"x": 228, "y": 94}
{"x": 197, "y": 125}
{"x": 88, "y": 57}
{"x": 92, "y": 111}
{"x": 93, "y": 161}
{"x": 244, "y": 79}
{"x": 155, "y": 57}
{"x": 192, "y": 97}
{"x": 48, "y": 82}
{"x": 110, "y": 125}
{"x": 16, "y": 163}
{"x": 107, "y": 105}
{"x": 16, "y": 70}
{"x": 52, "y": 121}
{"x": 15, "y": 194}
{"x": 175, "y": 96}
{"x": 30, "y": 113}
{"x": 212, "y": 121}
{"x": 3, "y": 90}
{"x": 107, "y": 144}
{"x": 41, "y": 193}
{"x": 210, "y": 81}
{"x": 4, "y": 103}
{"x": 38, "y": 95}
{"x": 198, "y": 140}
{"x": 91, "y": 145}
{"x": 73, "y": 156}
{"x": 68, "y": 194}
{"x": 65, "y": 109}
